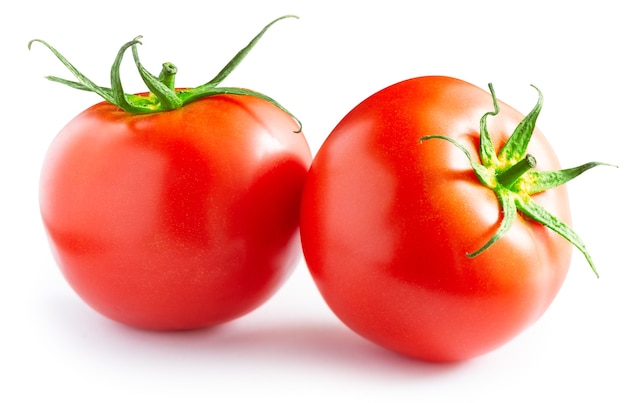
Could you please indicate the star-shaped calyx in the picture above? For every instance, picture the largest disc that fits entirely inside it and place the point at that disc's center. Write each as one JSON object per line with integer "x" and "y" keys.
{"x": 509, "y": 173}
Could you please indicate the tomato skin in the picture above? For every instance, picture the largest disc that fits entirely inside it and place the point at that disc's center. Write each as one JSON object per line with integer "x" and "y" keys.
{"x": 386, "y": 222}
{"x": 180, "y": 219}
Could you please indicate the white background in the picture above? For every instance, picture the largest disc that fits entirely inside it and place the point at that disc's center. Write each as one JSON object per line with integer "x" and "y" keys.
{"x": 319, "y": 66}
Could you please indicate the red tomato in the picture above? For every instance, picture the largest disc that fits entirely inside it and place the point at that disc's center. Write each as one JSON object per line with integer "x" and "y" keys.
{"x": 177, "y": 208}
{"x": 179, "y": 219}
{"x": 387, "y": 221}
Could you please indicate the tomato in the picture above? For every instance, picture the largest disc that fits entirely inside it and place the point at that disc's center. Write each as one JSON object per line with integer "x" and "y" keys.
{"x": 390, "y": 220}
{"x": 178, "y": 219}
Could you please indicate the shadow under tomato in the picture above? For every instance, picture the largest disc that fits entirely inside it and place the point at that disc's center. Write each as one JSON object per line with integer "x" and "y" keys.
{"x": 315, "y": 344}
{"x": 322, "y": 344}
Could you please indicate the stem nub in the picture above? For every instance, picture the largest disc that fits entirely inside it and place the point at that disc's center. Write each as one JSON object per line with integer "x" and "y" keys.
{"x": 511, "y": 175}
{"x": 168, "y": 75}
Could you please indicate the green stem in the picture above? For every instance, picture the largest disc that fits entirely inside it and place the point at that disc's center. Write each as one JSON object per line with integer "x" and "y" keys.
{"x": 168, "y": 75}
{"x": 512, "y": 174}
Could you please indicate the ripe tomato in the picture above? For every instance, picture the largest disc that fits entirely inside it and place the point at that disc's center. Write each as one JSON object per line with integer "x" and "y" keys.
{"x": 180, "y": 219}
{"x": 387, "y": 221}
{"x": 177, "y": 219}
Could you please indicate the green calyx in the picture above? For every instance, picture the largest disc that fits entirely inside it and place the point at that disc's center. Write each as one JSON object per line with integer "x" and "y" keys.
{"x": 509, "y": 174}
{"x": 163, "y": 95}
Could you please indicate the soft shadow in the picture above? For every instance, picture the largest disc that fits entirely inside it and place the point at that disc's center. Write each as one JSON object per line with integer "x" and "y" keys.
{"x": 316, "y": 345}
{"x": 324, "y": 344}
{"x": 319, "y": 344}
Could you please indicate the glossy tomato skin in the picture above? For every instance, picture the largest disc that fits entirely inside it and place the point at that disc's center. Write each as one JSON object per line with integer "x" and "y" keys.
{"x": 386, "y": 222}
{"x": 180, "y": 219}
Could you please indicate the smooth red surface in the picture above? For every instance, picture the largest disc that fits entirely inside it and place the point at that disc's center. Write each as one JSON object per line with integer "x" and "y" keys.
{"x": 180, "y": 219}
{"x": 386, "y": 223}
